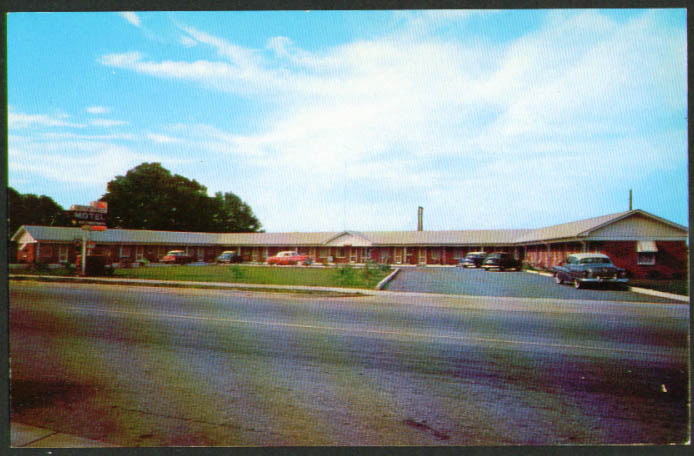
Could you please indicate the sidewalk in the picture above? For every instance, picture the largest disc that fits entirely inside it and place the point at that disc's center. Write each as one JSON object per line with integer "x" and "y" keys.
{"x": 25, "y": 436}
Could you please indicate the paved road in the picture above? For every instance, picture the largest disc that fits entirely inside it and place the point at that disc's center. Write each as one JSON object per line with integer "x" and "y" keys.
{"x": 138, "y": 366}
{"x": 478, "y": 282}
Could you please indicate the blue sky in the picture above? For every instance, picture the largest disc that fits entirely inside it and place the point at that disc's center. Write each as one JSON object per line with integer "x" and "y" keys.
{"x": 328, "y": 120}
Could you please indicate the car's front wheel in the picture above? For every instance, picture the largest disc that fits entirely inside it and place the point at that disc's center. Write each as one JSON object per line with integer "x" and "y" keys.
{"x": 577, "y": 284}
{"x": 558, "y": 279}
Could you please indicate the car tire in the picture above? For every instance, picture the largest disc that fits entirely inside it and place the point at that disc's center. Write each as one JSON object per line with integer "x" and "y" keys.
{"x": 577, "y": 284}
{"x": 557, "y": 279}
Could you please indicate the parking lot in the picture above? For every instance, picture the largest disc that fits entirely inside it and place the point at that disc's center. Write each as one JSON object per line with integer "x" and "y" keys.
{"x": 478, "y": 282}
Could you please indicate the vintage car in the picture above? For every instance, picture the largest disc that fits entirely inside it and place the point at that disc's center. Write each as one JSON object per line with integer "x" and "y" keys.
{"x": 227, "y": 257}
{"x": 584, "y": 268}
{"x": 289, "y": 257}
{"x": 176, "y": 257}
{"x": 501, "y": 261}
{"x": 472, "y": 260}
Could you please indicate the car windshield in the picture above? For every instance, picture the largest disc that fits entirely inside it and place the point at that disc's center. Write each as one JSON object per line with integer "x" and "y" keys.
{"x": 594, "y": 260}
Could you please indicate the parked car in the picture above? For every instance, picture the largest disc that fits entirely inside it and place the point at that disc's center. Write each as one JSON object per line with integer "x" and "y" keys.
{"x": 228, "y": 256}
{"x": 472, "y": 260}
{"x": 501, "y": 261}
{"x": 585, "y": 268}
{"x": 289, "y": 257}
{"x": 176, "y": 257}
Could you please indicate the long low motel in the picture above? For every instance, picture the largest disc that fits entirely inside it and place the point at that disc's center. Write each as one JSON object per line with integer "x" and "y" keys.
{"x": 642, "y": 243}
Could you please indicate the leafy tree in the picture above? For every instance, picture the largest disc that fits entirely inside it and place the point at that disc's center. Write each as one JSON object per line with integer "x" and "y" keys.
{"x": 150, "y": 197}
{"x": 233, "y": 215}
{"x": 29, "y": 209}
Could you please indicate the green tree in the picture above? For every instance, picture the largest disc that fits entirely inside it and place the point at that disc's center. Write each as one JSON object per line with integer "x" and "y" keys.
{"x": 30, "y": 209}
{"x": 150, "y": 197}
{"x": 233, "y": 215}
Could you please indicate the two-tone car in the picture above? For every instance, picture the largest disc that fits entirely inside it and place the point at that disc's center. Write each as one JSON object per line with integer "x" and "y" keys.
{"x": 472, "y": 260}
{"x": 177, "y": 257}
{"x": 228, "y": 257}
{"x": 589, "y": 268}
{"x": 289, "y": 257}
{"x": 501, "y": 261}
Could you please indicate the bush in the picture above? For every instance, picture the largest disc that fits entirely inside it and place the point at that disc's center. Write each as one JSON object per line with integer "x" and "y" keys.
{"x": 40, "y": 267}
{"x": 236, "y": 271}
{"x": 384, "y": 267}
{"x": 345, "y": 275}
{"x": 653, "y": 275}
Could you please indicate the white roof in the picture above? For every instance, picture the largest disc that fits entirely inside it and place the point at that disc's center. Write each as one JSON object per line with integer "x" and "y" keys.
{"x": 581, "y": 256}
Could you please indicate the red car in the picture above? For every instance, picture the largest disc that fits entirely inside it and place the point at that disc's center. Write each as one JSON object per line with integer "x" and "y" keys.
{"x": 289, "y": 257}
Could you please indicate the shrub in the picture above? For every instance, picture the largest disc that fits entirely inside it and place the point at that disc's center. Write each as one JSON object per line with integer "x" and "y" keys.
{"x": 345, "y": 275}
{"x": 384, "y": 267}
{"x": 236, "y": 271}
{"x": 40, "y": 267}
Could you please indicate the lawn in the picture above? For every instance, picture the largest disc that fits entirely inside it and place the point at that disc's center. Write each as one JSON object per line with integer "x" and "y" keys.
{"x": 349, "y": 277}
{"x": 680, "y": 287}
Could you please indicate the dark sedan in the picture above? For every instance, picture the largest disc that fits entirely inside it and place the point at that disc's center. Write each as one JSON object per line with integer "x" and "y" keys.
{"x": 501, "y": 261}
{"x": 472, "y": 260}
{"x": 589, "y": 268}
{"x": 228, "y": 257}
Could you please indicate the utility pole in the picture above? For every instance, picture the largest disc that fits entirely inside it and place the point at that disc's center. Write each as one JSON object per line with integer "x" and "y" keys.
{"x": 629, "y": 199}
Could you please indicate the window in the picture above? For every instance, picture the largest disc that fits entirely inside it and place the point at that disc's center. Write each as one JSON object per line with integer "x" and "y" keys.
{"x": 324, "y": 252}
{"x": 340, "y": 252}
{"x": 435, "y": 254}
{"x": 646, "y": 258}
{"x": 125, "y": 251}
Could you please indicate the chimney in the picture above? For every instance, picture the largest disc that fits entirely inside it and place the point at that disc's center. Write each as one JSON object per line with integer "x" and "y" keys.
{"x": 420, "y": 226}
{"x": 629, "y": 199}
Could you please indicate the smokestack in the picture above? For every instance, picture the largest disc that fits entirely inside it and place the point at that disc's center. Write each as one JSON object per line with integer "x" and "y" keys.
{"x": 420, "y": 225}
{"x": 629, "y": 199}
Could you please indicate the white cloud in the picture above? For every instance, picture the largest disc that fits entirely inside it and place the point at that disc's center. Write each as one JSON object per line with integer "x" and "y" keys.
{"x": 427, "y": 121}
{"x": 107, "y": 122}
{"x": 72, "y": 161}
{"x": 161, "y": 139}
{"x": 18, "y": 120}
{"x": 187, "y": 41}
{"x": 97, "y": 110}
{"x": 131, "y": 17}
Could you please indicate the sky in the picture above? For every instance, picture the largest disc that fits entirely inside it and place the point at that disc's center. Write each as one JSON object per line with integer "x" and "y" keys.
{"x": 351, "y": 120}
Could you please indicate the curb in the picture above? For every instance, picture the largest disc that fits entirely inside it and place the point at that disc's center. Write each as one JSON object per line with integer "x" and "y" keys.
{"x": 387, "y": 280}
{"x": 203, "y": 285}
{"x": 646, "y": 291}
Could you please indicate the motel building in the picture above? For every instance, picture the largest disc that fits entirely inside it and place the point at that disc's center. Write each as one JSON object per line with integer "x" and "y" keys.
{"x": 645, "y": 245}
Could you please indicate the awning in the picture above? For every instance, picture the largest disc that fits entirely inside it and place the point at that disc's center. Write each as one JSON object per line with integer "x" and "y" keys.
{"x": 646, "y": 246}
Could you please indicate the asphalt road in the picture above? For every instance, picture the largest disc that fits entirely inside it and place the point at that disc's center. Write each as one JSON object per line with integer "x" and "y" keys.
{"x": 478, "y": 282}
{"x": 138, "y": 366}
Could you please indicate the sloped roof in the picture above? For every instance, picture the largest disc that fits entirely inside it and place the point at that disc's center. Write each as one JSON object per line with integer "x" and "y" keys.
{"x": 582, "y": 228}
{"x": 569, "y": 230}
{"x": 462, "y": 237}
{"x": 68, "y": 234}
{"x": 572, "y": 230}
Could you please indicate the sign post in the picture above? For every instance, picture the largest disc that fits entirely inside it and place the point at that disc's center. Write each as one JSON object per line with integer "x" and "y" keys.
{"x": 90, "y": 218}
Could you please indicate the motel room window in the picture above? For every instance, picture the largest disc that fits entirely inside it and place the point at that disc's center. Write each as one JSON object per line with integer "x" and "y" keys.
{"x": 340, "y": 253}
{"x": 646, "y": 258}
{"x": 645, "y": 251}
{"x": 125, "y": 252}
{"x": 324, "y": 252}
